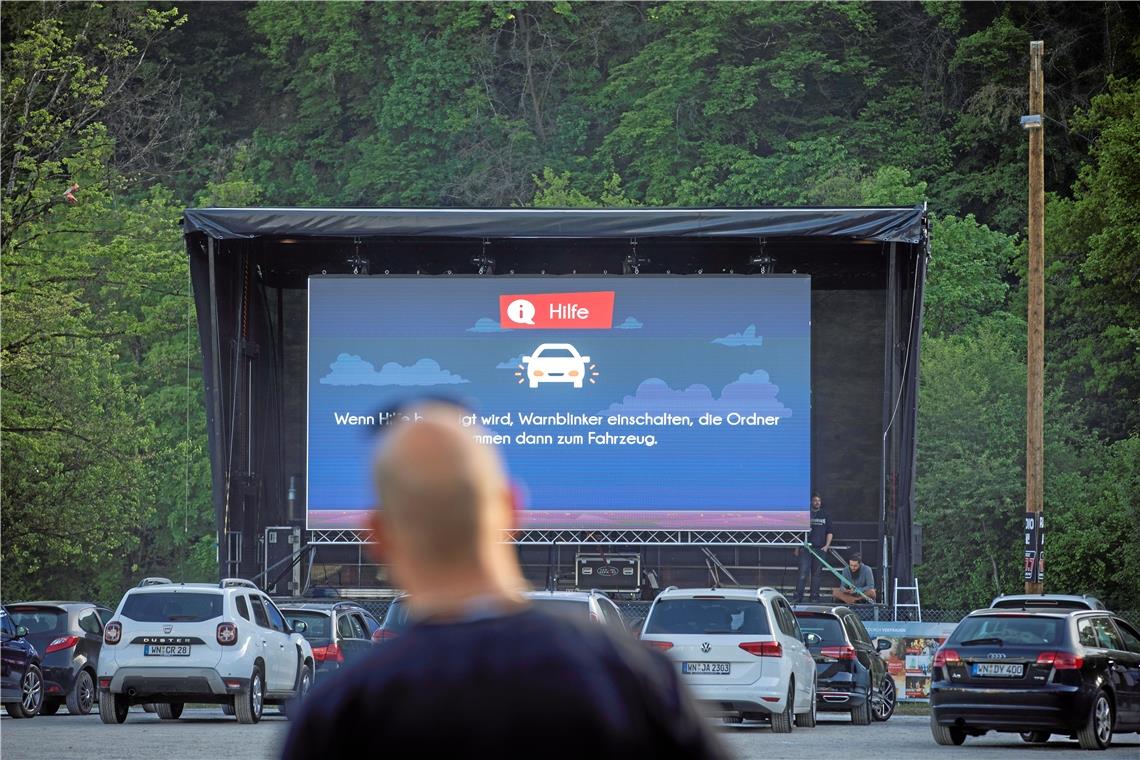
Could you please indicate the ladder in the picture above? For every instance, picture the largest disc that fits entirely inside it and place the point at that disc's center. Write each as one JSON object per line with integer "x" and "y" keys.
{"x": 917, "y": 597}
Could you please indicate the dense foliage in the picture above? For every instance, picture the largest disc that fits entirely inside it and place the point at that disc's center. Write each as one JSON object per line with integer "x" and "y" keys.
{"x": 147, "y": 107}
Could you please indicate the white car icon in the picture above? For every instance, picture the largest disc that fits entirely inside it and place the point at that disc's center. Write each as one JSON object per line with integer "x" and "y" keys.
{"x": 556, "y": 363}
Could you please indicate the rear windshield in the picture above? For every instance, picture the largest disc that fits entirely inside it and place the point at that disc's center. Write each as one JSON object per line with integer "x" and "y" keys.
{"x": 319, "y": 625}
{"x": 827, "y": 627}
{"x": 579, "y": 609}
{"x": 172, "y": 607}
{"x": 397, "y": 616}
{"x": 732, "y": 616}
{"x": 1009, "y": 630}
{"x": 39, "y": 619}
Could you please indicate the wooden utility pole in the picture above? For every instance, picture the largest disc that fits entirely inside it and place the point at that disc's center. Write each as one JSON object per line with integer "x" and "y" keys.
{"x": 1034, "y": 453}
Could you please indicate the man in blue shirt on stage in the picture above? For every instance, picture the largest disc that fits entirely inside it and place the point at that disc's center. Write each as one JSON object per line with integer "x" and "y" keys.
{"x": 819, "y": 538}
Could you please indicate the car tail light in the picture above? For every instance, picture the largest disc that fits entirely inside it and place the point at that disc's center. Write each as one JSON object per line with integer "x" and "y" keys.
{"x": 946, "y": 657}
{"x": 227, "y": 634}
{"x": 382, "y": 635}
{"x": 1061, "y": 660}
{"x": 112, "y": 633}
{"x": 763, "y": 648}
{"x": 330, "y": 653}
{"x": 63, "y": 642}
{"x": 839, "y": 653}
{"x": 664, "y": 646}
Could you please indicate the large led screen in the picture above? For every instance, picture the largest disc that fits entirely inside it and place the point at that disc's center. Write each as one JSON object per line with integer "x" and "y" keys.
{"x": 617, "y": 402}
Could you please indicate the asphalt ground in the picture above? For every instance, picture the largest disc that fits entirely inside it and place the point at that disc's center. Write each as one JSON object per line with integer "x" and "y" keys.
{"x": 206, "y": 734}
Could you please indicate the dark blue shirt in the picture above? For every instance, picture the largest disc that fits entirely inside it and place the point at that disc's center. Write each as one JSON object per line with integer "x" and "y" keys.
{"x": 820, "y": 527}
{"x": 520, "y": 685}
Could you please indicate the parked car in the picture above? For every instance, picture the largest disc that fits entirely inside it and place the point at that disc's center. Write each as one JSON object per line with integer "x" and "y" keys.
{"x": 850, "y": 674}
{"x": 69, "y": 635}
{"x": 224, "y": 643}
{"x": 21, "y": 681}
{"x": 1037, "y": 673}
{"x": 1047, "y": 601}
{"x": 395, "y": 620}
{"x": 591, "y": 606}
{"x": 338, "y": 631}
{"x": 740, "y": 651}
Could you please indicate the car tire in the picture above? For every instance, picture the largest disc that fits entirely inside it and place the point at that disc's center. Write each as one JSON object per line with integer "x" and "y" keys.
{"x": 1096, "y": 733}
{"x": 291, "y": 707}
{"x": 81, "y": 698}
{"x": 228, "y": 709}
{"x": 947, "y": 736}
{"x": 782, "y": 722}
{"x": 249, "y": 705}
{"x": 808, "y": 719}
{"x": 169, "y": 710}
{"x": 861, "y": 714}
{"x": 31, "y": 695}
{"x": 884, "y": 706}
{"x": 113, "y": 708}
{"x": 50, "y": 707}
{"x": 1035, "y": 737}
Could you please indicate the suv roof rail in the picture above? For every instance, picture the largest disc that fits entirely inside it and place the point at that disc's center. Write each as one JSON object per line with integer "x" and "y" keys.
{"x": 765, "y": 588}
{"x": 154, "y": 581}
{"x": 237, "y": 582}
{"x": 670, "y": 588}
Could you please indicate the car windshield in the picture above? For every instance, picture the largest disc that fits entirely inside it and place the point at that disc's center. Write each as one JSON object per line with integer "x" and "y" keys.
{"x": 555, "y": 353}
{"x": 397, "y": 617}
{"x": 318, "y": 624}
{"x": 731, "y": 616}
{"x": 39, "y": 619}
{"x": 1009, "y": 630}
{"x": 827, "y": 627}
{"x": 578, "y": 609}
{"x": 172, "y": 607}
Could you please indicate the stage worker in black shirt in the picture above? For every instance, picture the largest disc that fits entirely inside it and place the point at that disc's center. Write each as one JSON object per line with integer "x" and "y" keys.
{"x": 480, "y": 673}
{"x": 819, "y": 536}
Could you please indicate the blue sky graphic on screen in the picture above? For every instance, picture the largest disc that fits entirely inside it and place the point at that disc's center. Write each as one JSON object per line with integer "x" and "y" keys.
{"x": 619, "y": 402}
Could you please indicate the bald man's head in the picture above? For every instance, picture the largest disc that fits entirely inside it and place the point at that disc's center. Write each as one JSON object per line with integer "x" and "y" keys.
{"x": 444, "y": 495}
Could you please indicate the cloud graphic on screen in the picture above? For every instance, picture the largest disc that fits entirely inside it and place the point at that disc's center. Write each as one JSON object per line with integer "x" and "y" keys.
{"x": 349, "y": 369}
{"x": 486, "y": 325}
{"x": 751, "y": 392}
{"x": 630, "y": 323}
{"x": 746, "y": 338}
{"x": 512, "y": 363}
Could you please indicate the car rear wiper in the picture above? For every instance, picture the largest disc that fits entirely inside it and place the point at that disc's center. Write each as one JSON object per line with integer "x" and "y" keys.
{"x": 987, "y": 640}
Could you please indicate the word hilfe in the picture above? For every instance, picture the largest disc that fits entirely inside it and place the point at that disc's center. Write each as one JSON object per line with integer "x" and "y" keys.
{"x": 592, "y": 310}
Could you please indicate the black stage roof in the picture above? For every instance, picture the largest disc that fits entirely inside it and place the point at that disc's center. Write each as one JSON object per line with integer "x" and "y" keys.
{"x": 898, "y": 225}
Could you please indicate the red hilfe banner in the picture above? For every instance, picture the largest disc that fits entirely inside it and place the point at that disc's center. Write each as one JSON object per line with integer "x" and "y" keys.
{"x": 557, "y": 311}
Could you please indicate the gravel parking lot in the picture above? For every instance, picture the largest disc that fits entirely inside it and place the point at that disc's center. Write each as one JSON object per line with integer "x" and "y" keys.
{"x": 207, "y": 734}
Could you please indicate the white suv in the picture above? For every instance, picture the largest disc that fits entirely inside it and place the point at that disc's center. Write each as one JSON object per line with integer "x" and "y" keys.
{"x": 223, "y": 643}
{"x": 740, "y": 651}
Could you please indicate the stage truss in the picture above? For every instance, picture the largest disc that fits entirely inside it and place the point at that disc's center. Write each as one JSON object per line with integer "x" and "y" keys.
{"x": 605, "y": 537}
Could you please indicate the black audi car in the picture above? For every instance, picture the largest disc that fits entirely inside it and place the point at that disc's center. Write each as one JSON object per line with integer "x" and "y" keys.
{"x": 1037, "y": 673}
{"x": 850, "y": 674}
{"x": 68, "y": 636}
{"x": 21, "y": 681}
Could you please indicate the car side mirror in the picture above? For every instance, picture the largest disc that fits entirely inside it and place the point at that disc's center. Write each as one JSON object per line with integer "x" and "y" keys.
{"x": 883, "y": 645}
{"x": 812, "y": 639}
{"x": 300, "y": 626}
{"x": 21, "y": 631}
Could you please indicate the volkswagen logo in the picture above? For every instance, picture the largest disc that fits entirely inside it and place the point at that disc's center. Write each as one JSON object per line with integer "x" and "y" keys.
{"x": 995, "y": 656}
{"x": 167, "y": 628}
{"x": 706, "y": 647}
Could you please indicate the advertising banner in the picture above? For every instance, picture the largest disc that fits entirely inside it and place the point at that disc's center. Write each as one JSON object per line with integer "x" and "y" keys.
{"x": 617, "y": 402}
{"x": 911, "y": 659}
